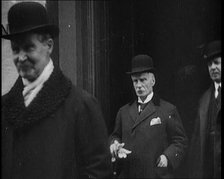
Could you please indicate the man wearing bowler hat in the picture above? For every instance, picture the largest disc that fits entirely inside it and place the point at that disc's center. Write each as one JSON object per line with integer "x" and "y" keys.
{"x": 148, "y": 140}
{"x": 205, "y": 149}
{"x": 50, "y": 128}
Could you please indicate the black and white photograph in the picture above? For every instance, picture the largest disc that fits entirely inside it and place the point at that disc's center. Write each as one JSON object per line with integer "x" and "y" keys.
{"x": 111, "y": 89}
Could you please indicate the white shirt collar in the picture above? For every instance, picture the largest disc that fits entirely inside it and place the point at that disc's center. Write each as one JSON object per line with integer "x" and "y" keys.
{"x": 148, "y": 98}
{"x": 217, "y": 85}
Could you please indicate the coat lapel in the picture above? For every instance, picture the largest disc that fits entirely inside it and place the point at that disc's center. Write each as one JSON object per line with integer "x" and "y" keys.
{"x": 133, "y": 111}
{"x": 146, "y": 113}
{"x": 203, "y": 116}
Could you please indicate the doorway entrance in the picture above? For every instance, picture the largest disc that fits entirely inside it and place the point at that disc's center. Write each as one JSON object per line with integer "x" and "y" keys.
{"x": 172, "y": 32}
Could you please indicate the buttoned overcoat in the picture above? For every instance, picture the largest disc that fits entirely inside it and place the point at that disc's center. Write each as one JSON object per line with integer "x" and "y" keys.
{"x": 148, "y": 139}
{"x": 60, "y": 135}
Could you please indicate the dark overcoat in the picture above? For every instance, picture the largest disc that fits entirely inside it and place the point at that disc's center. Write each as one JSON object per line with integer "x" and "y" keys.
{"x": 60, "y": 135}
{"x": 200, "y": 134}
{"x": 147, "y": 142}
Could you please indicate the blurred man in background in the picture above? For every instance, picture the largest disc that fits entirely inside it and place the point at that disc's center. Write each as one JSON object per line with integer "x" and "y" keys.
{"x": 205, "y": 150}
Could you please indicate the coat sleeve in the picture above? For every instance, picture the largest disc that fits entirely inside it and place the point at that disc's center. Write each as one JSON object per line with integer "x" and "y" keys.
{"x": 178, "y": 141}
{"x": 117, "y": 132}
{"x": 92, "y": 141}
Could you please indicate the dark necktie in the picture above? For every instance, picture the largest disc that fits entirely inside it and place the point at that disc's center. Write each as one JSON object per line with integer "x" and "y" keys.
{"x": 142, "y": 106}
{"x": 219, "y": 90}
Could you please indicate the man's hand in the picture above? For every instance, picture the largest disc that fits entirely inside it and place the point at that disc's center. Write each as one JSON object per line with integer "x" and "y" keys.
{"x": 162, "y": 161}
{"x": 117, "y": 150}
{"x": 122, "y": 152}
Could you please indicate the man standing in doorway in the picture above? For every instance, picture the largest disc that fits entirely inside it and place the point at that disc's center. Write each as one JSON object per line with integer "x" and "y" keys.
{"x": 50, "y": 128}
{"x": 148, "y": 139}
{"x": 205, "y": 149}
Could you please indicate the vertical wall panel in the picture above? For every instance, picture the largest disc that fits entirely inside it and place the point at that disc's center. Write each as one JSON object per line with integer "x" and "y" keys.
{"x": 83, "y": 47}
{"x": 67, "y": 39}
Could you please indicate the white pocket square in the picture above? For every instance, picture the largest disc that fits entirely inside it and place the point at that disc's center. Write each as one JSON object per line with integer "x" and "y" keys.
{"x": 155, "y": 121}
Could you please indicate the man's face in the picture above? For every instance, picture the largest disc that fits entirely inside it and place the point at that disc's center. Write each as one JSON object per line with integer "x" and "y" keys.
{"x": 143, "y": 84}
{"x": 31, "y": 54}
{"x": 214, "y": 68}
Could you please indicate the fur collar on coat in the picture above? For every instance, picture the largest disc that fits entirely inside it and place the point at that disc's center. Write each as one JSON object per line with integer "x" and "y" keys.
{"x": 51, "y": 96}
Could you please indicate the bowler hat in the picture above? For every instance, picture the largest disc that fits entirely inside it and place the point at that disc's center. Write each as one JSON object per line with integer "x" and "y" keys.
{"x": 212, "y": 49}
{"x": 141, "y": 63}
{"x": 26, "y": 17}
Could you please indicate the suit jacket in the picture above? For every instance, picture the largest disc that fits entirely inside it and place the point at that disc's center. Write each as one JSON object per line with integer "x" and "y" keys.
{"x": 60, "y": 135}
{"x": 147, "y": 142}
{"x": 197, "y": 147}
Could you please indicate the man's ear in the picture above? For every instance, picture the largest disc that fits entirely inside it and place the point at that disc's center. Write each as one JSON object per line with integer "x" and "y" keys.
{"x": 153, "y": 80}
{"x": 50, "y": 44}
